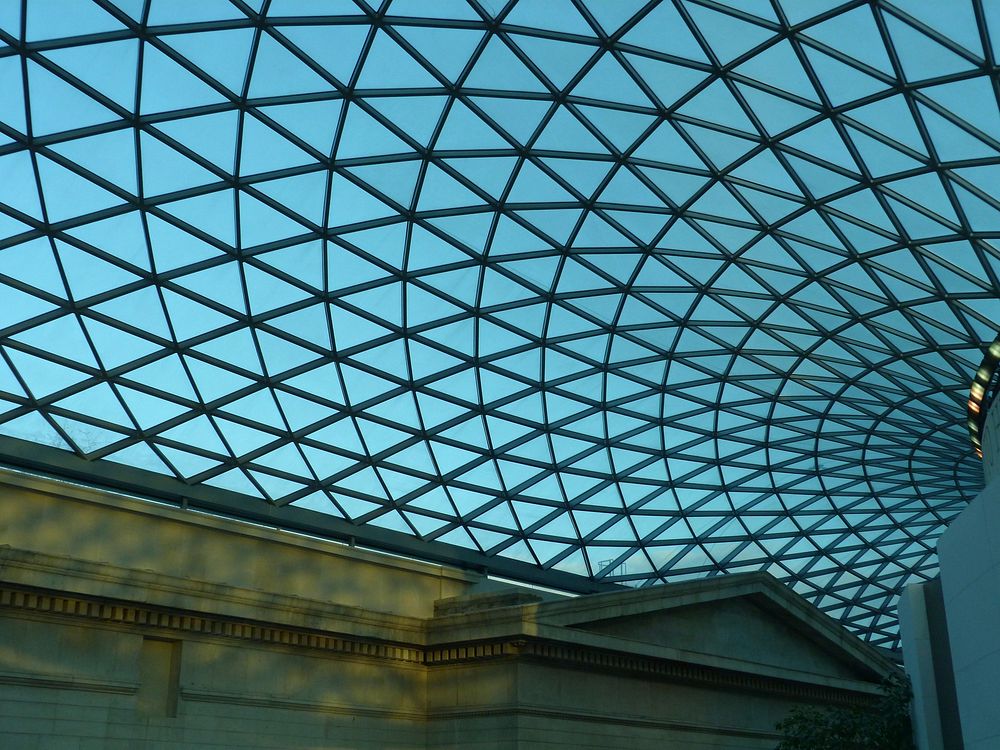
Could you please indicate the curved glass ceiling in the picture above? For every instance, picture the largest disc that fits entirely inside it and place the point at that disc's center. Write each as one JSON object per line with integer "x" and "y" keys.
{"x": 638, "y": 291}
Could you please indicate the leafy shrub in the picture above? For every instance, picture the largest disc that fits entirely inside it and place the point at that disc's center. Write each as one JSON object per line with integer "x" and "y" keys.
{"x": 884, "y": 726}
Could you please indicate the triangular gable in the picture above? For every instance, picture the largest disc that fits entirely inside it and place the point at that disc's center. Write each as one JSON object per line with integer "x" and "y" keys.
{"x": 752, "y": 618}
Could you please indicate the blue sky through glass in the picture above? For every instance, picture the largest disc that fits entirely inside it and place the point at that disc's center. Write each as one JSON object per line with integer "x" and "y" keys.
{"x": 633, "y": 291}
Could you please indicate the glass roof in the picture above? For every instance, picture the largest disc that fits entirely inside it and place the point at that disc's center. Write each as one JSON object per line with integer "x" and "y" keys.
{"x": 631, "y": 291}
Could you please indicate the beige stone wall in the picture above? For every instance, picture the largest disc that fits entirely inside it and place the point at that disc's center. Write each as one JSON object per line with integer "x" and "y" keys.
{"x": 525, "y": 704}
{"x": 82, "y": 682}
{"x": 79, "y": 687}
{"x": 594, "y": 708}
{"x": 77, "y": 682}
{"x": 128, "y": 626}
{"x": 473, "y": 705}
{"x": 90, "y": 525}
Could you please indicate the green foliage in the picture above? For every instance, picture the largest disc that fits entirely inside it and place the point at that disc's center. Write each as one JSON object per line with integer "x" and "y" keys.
{"x": 885, "y": 726}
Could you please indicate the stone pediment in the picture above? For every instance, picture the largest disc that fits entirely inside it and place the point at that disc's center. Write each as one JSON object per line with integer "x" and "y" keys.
{"x": 737, "y": 628}
{"x": 751, "y": 618}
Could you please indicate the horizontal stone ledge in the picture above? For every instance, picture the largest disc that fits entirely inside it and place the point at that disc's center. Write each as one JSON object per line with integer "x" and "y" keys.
{"x": 57, "y": 604}
{"x": 68, "y": 682}
{"x": 638, "y": 722}
{"x": 324, "y": 707}
{"x": 131, "y": 614}
{"x": 581, "y": 657}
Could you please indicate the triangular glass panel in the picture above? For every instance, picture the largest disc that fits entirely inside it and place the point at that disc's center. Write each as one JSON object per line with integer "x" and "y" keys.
{"x": 488, "y": 173}
{"x": 212, "y": 213}
{"x": 857, "y": 34}
{"x": 263, "y": 150}
{"x": 389, "y": 66}
{"x": 224, "y": 55}
{"x": 278, "y": 72}
{"x": 305, "y": 194}
{"x": 498, "y": 56}
{"x": 518, "y": 118}
{"x": 779, "y": 66}
{"x": 110, "y": 156}
{"x": 336, "y": 48}
{"x": 775, "y": 113}
{"x": 363, "y": 135}
{"x": 842, "y": 82}
{"x": 316, "y": 123}
{"x": 464, "y": 129}
{"x": 260, "y": 224}
{"x": 43, "y": 377}
{"x": 57, "y": 106}
{"x": 716, "y": 104}
{"x": 417, "y": 116}
{"x": 31, "y": 263}
{"x": 68, "y": 195}
{"x": 12, "y": 91}
{"x": 167, "y": 85}
{"x": 728, "y": 36}
{"x": 564, "y": 132}
{"x": 89, "y": 275}
{"x": 921, "y": 56}
{"x": 165, "y": 170}
{"x": 649, "y": 33}
{"x": 559, "y": 60}
{"x": 439, "y": 190}
{"x": 446, "y": 49}
{"x": 607, "y": 80}
{"x": 109, "y": 67}
{"x": 555, "y": 15}
{"x": 17, "y": 184}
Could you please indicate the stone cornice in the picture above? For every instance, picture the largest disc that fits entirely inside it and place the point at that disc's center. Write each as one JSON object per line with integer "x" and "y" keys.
{"x": 36, "y": 570}
{"x": 607, "y": 660}
{"x": 145, "y": 617}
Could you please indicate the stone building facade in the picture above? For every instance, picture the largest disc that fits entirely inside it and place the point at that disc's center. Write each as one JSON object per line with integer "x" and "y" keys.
{"x": 124, "y": 624}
